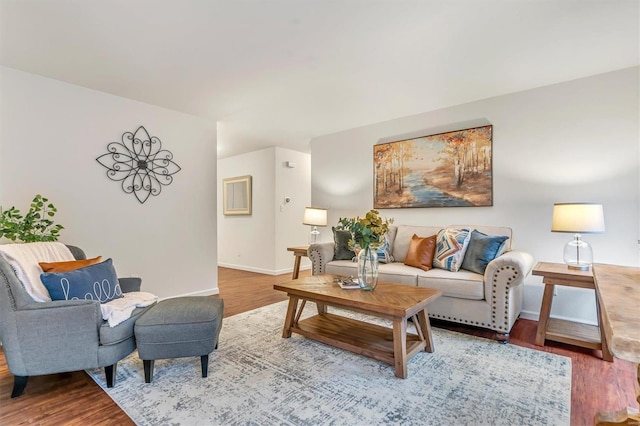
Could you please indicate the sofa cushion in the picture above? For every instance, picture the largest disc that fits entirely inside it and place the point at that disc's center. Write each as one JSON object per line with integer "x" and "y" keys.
{"x": 341, "y": 250}
{"x": 482, "y": 249}
{"x": 420, "y": 253}
{"x": 94, "y": 282}
{"x": 451, "y": 245}
{"x": 70, "y": 265}
{"x": 461, "y": 284}
{"x": 394, "y": 272}
{"x": 404, "y": 233}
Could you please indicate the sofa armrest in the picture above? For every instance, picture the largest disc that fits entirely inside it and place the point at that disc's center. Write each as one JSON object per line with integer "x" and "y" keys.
{"x": 503, "y": 283}
{"x": 130, "y": 284}
{"x": 320, "y": 254}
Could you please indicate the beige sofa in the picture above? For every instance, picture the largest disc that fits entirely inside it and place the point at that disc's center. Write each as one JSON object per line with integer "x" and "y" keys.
{"x": 492, "y": 300}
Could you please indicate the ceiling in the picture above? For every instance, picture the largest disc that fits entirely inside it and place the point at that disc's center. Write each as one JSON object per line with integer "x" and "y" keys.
{"x": 280, "y": 72}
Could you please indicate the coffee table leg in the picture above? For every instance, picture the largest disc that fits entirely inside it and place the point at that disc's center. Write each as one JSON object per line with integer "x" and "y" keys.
{"x": 400, "y": 347}
{"x": 289, "y": 319}
{"x": 322, "y": 308}
{"x": 425, "y": 327}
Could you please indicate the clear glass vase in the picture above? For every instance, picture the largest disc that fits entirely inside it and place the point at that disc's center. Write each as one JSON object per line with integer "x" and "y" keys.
{"x": 368, "y": 268}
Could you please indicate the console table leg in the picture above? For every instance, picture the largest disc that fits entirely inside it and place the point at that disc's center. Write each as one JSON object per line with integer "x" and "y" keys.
{"x": 545, "y": 311}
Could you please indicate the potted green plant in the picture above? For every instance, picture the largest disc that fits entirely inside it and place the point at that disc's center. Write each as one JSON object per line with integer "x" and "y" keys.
{"x": 367, "y": 233}
{"x": 36, "y": 225}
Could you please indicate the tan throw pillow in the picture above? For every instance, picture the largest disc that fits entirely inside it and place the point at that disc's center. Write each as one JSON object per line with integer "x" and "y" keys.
{"x": 71, "y": 265}
{"x": 421, "y": 252}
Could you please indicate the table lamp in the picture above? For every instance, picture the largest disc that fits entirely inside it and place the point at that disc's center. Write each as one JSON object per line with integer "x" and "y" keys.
{"x": 578, "y": 218}
{"x": 315, "y": 217}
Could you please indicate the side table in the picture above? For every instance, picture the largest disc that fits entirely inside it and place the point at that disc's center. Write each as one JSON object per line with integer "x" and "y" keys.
{"x": 298, "y": 252}
{"x": 573, "y": 333}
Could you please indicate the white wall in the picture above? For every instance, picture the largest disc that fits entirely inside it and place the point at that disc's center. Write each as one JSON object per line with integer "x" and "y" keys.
{"x": 246, "y": 242}
{"x": 259, "y": 242}
{"x": 296, "y": 184}
{"x": 50, "y": 135}
{"x": 575, "y": 141}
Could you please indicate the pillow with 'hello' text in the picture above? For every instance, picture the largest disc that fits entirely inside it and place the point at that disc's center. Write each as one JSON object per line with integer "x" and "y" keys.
{"x": 95, "y": 282}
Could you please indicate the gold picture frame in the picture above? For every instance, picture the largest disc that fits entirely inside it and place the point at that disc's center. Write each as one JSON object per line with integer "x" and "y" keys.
{"x": 236, "y": 195}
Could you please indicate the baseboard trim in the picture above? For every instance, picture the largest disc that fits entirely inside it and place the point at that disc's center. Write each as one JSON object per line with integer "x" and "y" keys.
{"x": 535, "y": 316}
{"x": 261, "y": 270}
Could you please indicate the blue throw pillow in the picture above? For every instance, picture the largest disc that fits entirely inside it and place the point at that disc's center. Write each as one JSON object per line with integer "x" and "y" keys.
{"x": 482, "y": 249}
{"x": 94, "y": 282}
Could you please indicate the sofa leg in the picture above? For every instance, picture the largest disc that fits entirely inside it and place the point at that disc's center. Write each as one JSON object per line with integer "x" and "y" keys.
{"x": 19, "y": 383}
{"x": 110, "y": 372}
{"x": 204, "y": 363}
{"x": 503, "y": 338}
{"x": 148, "y": 370}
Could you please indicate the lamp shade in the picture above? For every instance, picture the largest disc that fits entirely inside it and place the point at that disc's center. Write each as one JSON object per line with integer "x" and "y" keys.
{"x": 315, "y": 216}
{"x": 582, "y": 218}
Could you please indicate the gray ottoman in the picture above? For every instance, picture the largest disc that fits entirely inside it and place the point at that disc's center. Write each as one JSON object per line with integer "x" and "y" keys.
{"x": 180, "y": 327}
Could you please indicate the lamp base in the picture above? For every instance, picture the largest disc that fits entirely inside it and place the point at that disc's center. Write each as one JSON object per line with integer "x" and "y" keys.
{"x": 313, "y": 237}
{"x": 579, "y": 267}
{"x": 578, "y": 254}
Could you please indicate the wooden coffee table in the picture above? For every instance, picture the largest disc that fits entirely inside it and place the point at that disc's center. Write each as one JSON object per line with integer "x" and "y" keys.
{"x": 395, "y": 302}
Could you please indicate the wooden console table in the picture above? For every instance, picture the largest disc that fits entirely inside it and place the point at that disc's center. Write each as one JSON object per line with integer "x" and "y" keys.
{"x": 298, "y": 252}
{"x": 618, "y": 289}
{"x": 583, "y": 335}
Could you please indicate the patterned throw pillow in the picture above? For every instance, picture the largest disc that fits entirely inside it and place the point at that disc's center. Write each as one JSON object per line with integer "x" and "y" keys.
{"x": 482, "y": 249}
{"x": 451, "y": 245}
{"x": 420, "y": 254}
{"x": 341, "y": 250}
{"x": 94, "y": 282}
{"x": 384, "y": 253}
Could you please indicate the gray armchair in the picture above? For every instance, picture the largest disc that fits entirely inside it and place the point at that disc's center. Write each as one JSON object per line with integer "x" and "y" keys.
{"x": 59, "y": 336}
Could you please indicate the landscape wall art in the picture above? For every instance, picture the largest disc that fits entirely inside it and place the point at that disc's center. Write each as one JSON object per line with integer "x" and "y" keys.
{"x": 453, "y": 169}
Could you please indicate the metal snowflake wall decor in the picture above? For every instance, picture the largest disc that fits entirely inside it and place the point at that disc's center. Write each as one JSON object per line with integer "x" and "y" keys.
{"x": 140, "y": 163}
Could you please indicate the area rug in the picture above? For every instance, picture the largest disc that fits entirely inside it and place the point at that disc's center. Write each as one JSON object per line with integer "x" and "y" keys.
{"x": 258, "y": 378}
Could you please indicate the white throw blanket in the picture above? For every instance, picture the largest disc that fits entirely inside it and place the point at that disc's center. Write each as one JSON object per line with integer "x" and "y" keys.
{"x": 24, "y": 259}
{"x": 119, "y": 310}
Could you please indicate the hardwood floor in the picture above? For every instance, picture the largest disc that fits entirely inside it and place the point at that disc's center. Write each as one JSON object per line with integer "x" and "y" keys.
{"x": 75, "y": 399}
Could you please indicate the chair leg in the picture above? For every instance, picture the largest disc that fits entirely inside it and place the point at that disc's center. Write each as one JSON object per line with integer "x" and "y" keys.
{"x": 110, "y": 372}
{"x": 19, "y": 383}
{"x": 204, "y": 363}
{"x": 148, "y": 370}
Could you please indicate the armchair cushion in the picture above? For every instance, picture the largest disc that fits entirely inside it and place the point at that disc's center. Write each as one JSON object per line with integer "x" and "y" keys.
{"x": 95, "y": 282}
{"x": 123, "y": 331}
